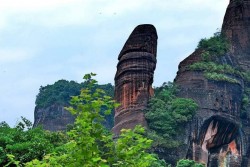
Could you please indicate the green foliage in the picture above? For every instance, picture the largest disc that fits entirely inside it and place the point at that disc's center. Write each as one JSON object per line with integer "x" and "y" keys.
{"x": 58, "y": 93}
{"x": 246, "y": 76}
{"x": 90, "y": 144}
{"x": 220, "y": 77}
{"x": 131, "y": 149}
{"x": 217, "y": 72}
{"x": 25, "y": 143}
{"x": 166, "y": 92}
{"x": 214, "y": 67}
{"x": 61, "y": 91}
{"x": 167, "y": 115}
{"x": 245, "y": 104}
{"x": 188, "y": 163}
{"x": 213, "y": 48}
{"x": 217, "y": 45}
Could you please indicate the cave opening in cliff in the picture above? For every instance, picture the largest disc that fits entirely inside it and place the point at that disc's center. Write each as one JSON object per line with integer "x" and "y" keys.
{"x": 220, "y": 142}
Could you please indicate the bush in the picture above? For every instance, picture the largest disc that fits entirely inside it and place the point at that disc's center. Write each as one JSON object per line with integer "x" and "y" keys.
{"x": 217, "y": 45}
{"x": 213, "y": 48}
{"x": 188, "y": 163}
{"x": 90, "y": 144}
{"x": 25, "y": 143}
{"x": 167, "y": 116}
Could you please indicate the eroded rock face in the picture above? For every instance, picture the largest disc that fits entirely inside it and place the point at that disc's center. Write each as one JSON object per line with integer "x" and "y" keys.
{"x": 134, "y": 77}
{"x": 217, "y": 122}
{"x": 56, "y": 118}
{"x": 236, "y": 26}
{"x": 219, "y": 135}
{"x": 53, "y": 118}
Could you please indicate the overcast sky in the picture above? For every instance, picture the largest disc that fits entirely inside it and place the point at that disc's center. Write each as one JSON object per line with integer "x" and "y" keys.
{"x": 43, "y": 41}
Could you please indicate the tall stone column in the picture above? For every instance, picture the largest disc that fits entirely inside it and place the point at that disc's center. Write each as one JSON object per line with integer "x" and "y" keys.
{"x": 134, "y": 77}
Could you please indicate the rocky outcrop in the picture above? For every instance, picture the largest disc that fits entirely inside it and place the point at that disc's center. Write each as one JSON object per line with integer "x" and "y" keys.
{"x": 236, "y": 27}
{"x": 56, "y": 118}
{"x": 51, "y": 100}
{"x": 134, "y": 77}
{"x": 215, "y": 130}
{"x": 218, "y": 134}
{"x": 53, "y": 118}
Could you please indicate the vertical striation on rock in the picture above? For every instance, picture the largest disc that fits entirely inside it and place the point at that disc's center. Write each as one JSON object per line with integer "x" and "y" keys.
{"x": 236, "y": 27}
{"x": 218, "y": 135}
{"x": 134, "y": 77}
{"x": 216, "y": 123}
{"x": 50, "y": 112}
{"x": 53, "y": 118}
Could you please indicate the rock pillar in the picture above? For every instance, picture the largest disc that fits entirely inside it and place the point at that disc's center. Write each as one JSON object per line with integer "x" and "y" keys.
{"x": 134, "y": 77}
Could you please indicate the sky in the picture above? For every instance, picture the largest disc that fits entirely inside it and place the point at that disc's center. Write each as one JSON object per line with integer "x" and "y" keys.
{"x": 42, "y": 41}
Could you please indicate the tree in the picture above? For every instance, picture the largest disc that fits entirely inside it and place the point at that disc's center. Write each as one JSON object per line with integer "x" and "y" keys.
{"x": 167, "y": 116}
{"x": 61, "y": 91}
{"x": 25, "y": 143}
{"x": 91, "y": 144}
{"x": 216, "y": 45}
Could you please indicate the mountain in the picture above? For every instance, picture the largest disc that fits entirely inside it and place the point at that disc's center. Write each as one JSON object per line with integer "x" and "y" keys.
{"x": 51, "y": 100}
{"x": 216, "y": 76}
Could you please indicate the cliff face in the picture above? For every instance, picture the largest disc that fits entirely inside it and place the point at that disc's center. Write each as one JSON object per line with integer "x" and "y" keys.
{"x": 215, "y": 137}
{"x": 219, "y": 134}
{"x": 53, "y": 118}
{"x": 51, "y": 100}
{"x": 236, "y": 26}
{"x": 134, "y": 77}
{"x": 56, "y": 118}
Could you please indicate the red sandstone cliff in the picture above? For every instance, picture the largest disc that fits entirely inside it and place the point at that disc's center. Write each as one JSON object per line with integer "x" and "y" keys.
{"x": 134, "y": 77}
{"x": 236, "y": 26}
{"x": 53, "y": 118}
{"x": 218, "y": 134}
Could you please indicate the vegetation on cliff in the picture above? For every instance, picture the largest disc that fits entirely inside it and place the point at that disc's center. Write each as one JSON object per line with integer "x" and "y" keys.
{"x": 245, "y": 104}
{"x": 214, "y": 46}
{"x": 61, "y": 91}
{"x": 212, "y": 50}
{"x": 90, "y": 144}
{"x": 188, "y": 163}
{"x": 167, "y": 116}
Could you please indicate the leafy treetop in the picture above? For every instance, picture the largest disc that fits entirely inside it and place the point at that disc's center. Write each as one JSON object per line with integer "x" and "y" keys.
{"x": 216, "y": 45}
{"x": 26, "y": 143}
{"x": 90, "y": 144}
{"x": 61, "y": 91}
